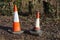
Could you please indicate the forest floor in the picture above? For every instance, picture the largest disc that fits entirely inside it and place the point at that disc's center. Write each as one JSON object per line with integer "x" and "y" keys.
{"x": 50, "y": 28}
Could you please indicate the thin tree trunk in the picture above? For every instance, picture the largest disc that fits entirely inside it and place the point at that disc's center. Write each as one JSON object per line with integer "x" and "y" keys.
{"x": 57, "y": 9}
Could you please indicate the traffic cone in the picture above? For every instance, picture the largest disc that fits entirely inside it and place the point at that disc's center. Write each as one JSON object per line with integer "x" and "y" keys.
{"x": 16, "y": 24}
{"x": 37, "y": 30}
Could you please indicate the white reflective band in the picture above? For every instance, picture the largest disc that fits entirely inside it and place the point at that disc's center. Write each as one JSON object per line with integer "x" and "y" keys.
{"x": 16, "y": 18}
{"x": 37, "y": 23}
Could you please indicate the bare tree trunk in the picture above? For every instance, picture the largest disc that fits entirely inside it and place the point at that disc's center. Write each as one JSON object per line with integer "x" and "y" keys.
{"x": 58, "y": 3}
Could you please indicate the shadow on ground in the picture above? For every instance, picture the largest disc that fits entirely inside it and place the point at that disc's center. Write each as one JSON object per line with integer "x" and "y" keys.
{"x": 8, "y": 29}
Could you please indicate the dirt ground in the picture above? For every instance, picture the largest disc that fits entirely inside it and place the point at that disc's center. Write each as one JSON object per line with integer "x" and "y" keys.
{"x": 50, "y": 29}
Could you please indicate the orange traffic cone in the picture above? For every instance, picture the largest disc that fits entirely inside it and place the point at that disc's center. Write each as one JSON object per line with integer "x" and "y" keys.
{"x": 37, "y": 29}
{"x": 16, "y": 24}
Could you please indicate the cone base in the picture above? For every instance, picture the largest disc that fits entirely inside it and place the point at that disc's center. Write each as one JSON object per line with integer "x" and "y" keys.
{"x": 39, "y": 33}
{"x": 18, "y": 32}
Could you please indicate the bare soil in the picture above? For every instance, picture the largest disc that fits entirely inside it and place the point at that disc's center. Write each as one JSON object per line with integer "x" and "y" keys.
{"x": 50, "y": 28}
